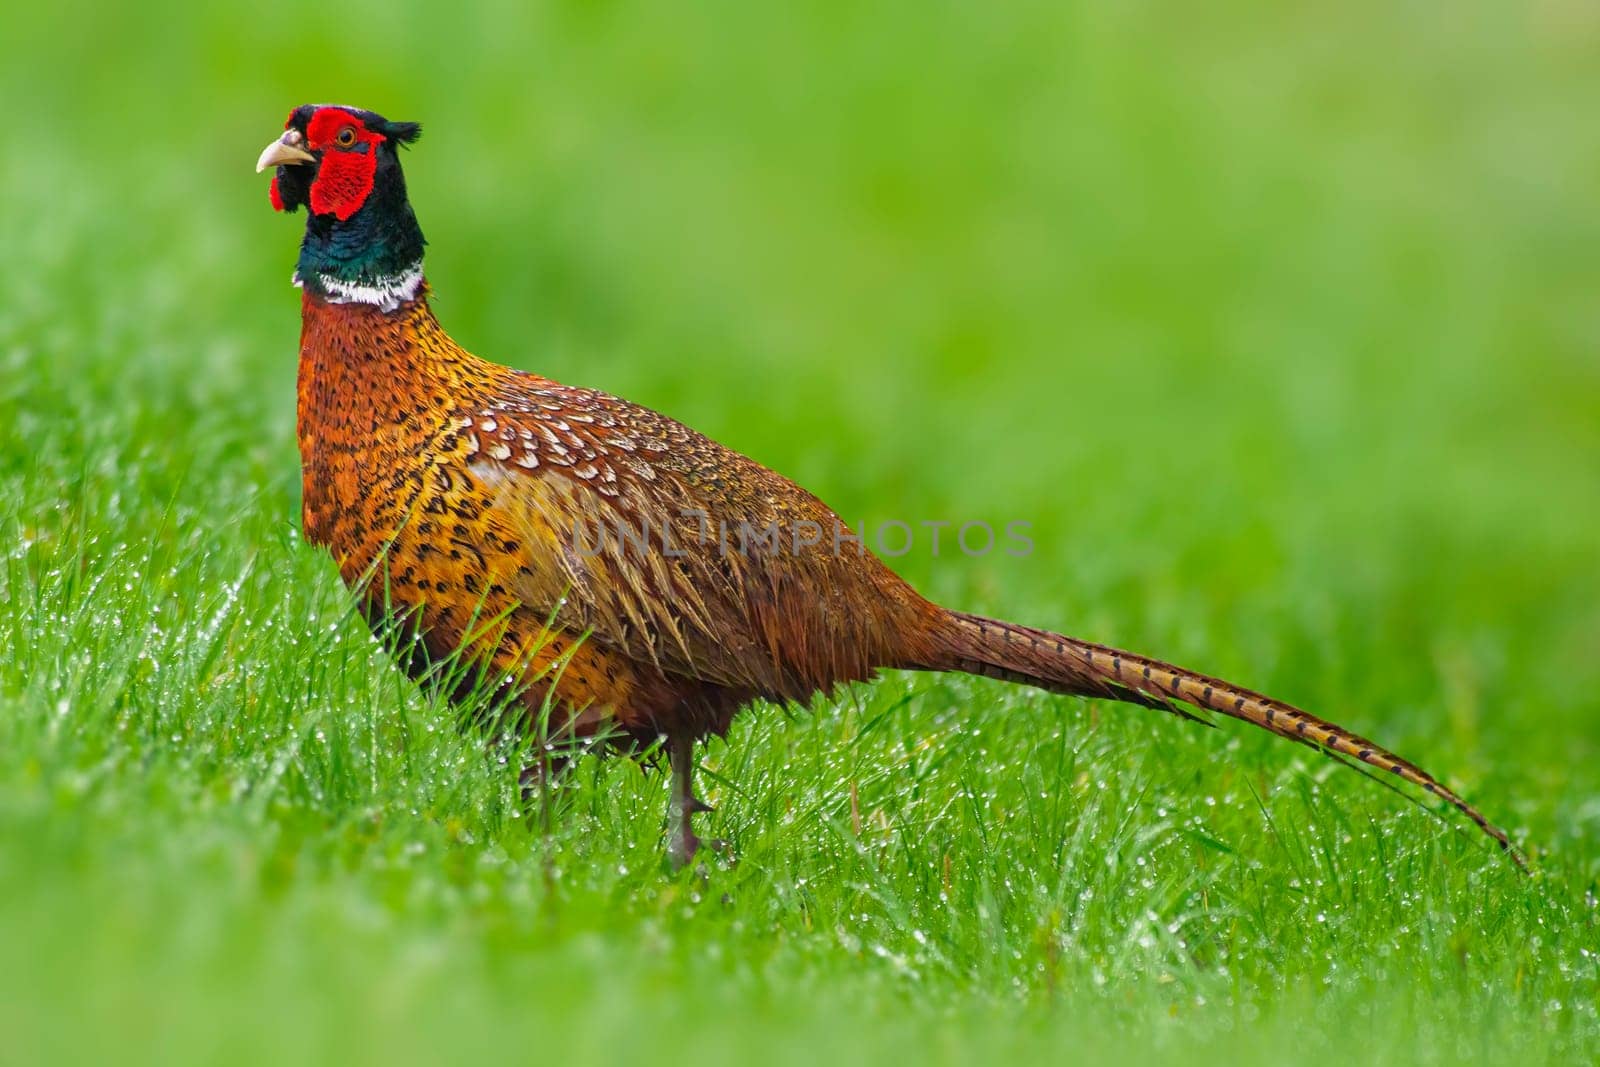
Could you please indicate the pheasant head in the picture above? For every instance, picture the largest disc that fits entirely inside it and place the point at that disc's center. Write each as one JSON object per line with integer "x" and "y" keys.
{"x": 362, "y": 242}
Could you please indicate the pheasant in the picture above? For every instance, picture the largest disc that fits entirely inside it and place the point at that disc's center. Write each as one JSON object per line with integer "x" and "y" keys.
{"x": 474, "y": 500}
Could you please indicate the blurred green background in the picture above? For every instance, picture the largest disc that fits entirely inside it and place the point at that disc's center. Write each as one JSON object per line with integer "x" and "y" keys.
{"x": 1278, "y": 325}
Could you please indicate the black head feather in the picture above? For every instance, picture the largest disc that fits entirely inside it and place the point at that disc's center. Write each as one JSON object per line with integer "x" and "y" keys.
{"x": 294, "y": 182}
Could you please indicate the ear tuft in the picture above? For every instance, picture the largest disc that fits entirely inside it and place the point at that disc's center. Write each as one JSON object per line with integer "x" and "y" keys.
{"x": 402, "y": 132}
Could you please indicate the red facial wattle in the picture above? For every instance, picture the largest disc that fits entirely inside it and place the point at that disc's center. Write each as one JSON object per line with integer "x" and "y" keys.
{"x": 345, "y": 173}
{"x": 343, "y": 181}
{"x": 277, "y": 197}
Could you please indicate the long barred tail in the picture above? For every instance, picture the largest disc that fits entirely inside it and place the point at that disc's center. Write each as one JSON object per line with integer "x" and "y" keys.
{"x": 995, "y": 649}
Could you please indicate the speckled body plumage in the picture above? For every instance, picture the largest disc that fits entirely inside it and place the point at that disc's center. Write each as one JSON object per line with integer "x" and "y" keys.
{"x": 456, "y": 493}
{"x": 462, "y": 490}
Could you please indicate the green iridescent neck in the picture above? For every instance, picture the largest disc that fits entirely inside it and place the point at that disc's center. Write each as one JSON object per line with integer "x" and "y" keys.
{"x": 373, "y": 257}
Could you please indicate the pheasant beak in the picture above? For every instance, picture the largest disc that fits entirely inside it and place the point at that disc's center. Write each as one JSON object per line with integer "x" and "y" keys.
{"x": 287, "y": 150}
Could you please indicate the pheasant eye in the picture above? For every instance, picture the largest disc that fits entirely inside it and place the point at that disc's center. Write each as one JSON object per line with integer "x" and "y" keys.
{"x": 346, "y": 137}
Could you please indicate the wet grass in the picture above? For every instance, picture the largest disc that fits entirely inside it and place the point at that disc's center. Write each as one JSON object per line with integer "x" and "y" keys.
{"x": 1278, "y": 329}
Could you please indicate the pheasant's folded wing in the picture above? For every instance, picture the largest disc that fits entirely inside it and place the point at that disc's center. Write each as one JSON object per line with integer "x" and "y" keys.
{"x": 657, "y": 541}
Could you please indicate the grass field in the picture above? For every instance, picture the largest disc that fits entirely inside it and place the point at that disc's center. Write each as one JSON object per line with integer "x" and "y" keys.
{"x": 1280, "y": 328}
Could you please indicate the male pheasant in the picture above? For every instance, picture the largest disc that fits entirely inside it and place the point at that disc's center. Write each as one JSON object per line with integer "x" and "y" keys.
{"x": 473, "y": 500}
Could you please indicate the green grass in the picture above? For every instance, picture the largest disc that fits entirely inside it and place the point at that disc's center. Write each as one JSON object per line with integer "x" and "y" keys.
{"x": 1280, "y": 328}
